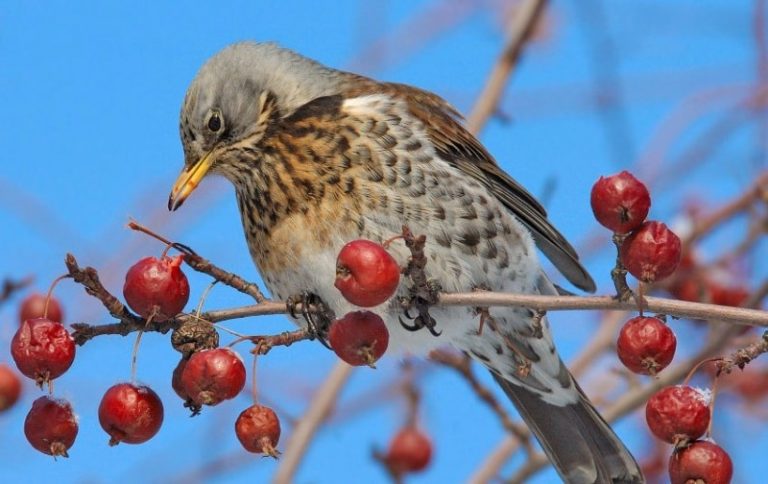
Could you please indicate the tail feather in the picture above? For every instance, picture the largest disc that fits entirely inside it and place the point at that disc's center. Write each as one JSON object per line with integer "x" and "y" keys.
{"x": 579, "y": 443}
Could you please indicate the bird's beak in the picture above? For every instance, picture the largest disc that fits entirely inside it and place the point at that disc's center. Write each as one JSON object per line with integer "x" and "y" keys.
{"x": 188, "y": 181}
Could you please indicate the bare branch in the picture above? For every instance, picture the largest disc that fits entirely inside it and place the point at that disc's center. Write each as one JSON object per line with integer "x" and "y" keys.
{"x": 670, "y": 307}
{"x": 320, "y": 407}
{"x": 487, "y": 103}
{"x": 10, "y": 287}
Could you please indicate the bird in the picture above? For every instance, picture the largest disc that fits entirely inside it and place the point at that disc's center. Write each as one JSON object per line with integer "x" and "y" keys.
{"x": 319, "y": 157}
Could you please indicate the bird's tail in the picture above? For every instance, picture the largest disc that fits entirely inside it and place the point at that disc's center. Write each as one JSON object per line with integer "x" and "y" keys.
{"x": 579, "y": 443}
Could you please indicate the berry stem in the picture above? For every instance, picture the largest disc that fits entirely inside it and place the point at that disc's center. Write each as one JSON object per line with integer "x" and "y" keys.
{"x": 712, "y": 397}
{"x": 254, "y": 388}
{"x": 50, "y": 292}
{"x": 134, "y": 356}
{"x": 203, "y": 297}
{"x": 165, "y": 251}
{"x": 696, "y": 368}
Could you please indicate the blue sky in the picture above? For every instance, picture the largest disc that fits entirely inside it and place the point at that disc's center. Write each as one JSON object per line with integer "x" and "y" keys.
{"x": 91, "y": 94}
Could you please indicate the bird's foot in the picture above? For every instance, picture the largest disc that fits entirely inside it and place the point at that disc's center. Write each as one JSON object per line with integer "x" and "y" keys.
{"x": 421, "y": 299}
{"x": 314, "y": 311}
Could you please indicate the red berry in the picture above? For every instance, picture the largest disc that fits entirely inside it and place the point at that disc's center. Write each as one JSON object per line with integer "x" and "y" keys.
{"x": 130, "y": 413}
{"x": 366, "y": 274}
{"x": 646, "y": 345}
{"x": 359, "y": 338}
{"x": 409, "y": 451}
{"x": 42, "y": 349}
{"x": 157, "y": 285}
{"x": 751, "y": 384}
{"x": 678, "y": 413}
{"x": 620, "y": 202}
{"x": 729, "y": 296}
{"x": 10, "y": 387}
{"x": 702, "y": 461}
{"x": 33, "y": 307}
{"x": 258, "y": 429}
{"x": 51, "y": 426}
{"x": 211, "y": 376}
{"x": 652, "y": 252}
{"x": 178, "y": 387}
{"x": 692, "y": 288}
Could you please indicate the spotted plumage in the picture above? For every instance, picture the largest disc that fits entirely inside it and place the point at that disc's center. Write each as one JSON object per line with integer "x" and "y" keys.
{"x": 319, "y": 157}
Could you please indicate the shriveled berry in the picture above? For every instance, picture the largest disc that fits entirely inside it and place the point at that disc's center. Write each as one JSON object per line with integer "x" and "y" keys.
{"x": 359, "y": 338}
{"x": 130, "y": 413}
{"x": 620, "y": 202}
{"x": 157, "y": 286}
{"x": 652, "y": 252}
{"x": 678, "y": 413}
{"x": 10, "y": 387}
{"x": 366, "y": 274}
{"x": 33, "y": 307}
{"x": 646, "y": 345}
{"x": 211, "y": 376}
{"x": 51, "y": 426}
{"x": 258, "y": 429}
{"x": 42, "y": 349}
{"x": 409, "y": 451}
{"x": 702, "y": 461}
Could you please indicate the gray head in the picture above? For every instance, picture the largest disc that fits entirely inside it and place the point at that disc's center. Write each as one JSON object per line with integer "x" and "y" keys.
{"x": 226, "y": 99}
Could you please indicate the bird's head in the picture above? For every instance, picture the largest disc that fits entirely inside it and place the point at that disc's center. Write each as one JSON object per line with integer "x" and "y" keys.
{"x": 231, "y": 102}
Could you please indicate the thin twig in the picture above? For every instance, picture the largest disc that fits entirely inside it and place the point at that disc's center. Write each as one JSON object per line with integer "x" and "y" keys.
{"x": 230, "y": 279}
{"x": 10, "y": 287}
{"x": 522, "y": 26}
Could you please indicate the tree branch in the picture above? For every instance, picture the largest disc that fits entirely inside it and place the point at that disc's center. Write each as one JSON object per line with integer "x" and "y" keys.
{"x": 320, "y": 407}
{"x": 521, "y": 28}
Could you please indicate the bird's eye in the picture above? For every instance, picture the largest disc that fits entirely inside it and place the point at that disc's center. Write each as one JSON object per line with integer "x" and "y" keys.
{"x": 214, "y": 122}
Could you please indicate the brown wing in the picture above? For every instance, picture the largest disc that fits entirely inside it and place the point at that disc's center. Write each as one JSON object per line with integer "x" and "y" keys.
{"x": 460, "y": 148}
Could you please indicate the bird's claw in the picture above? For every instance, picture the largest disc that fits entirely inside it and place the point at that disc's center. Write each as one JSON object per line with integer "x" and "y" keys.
{"x": 422, "y": 320}
{"x": 314, "y": 311}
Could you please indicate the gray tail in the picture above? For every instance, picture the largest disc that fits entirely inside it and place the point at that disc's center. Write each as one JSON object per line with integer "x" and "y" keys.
{"x": 579, "y": 443}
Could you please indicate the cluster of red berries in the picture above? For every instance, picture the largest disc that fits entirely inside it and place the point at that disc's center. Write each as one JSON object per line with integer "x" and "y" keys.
{"x": 679, "y": 415}
{"x": 158, "y": 289}
{"x": 43, "y": 350}
{"x": 367, "y": 276}
{"x": 696, "y": 283}
{"x": 649, "y": 250}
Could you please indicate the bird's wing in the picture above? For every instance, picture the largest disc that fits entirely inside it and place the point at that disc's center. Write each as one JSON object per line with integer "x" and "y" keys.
{"x": 460, "y": 148}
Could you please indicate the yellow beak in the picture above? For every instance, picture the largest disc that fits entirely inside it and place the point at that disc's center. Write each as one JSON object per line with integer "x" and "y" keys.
{"x": 188, "y": 181}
